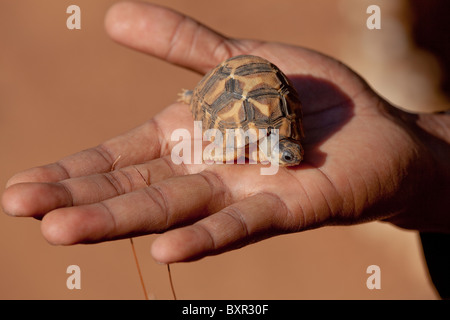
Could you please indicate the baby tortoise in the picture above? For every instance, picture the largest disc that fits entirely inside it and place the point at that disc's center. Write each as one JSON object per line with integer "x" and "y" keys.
{"x": 248, "y": 92}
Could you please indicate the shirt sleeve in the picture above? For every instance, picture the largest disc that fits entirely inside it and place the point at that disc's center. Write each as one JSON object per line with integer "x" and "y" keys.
{"x": 436, "y": 249}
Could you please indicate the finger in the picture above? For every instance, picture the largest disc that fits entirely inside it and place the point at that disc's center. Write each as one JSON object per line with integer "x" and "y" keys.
{"x": 259, "y": 216}
{"x": 36, "y": 199}
{"x": 160, "y": 206}
{"x": 136, "y": 146}
{"x": 169, "y": 35}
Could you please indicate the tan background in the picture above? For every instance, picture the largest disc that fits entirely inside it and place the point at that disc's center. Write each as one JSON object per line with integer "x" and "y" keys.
{"x": 62, "y": 91}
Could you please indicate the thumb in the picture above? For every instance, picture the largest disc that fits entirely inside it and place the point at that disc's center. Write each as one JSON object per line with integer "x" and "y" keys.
{"x": 169, "y": 35}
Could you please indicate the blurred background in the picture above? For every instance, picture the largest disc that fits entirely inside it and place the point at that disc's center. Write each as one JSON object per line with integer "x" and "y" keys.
{"x": 65, "y": 90}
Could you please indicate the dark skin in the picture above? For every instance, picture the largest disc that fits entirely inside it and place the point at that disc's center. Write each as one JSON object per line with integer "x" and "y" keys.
{"x": 363, "y": 160}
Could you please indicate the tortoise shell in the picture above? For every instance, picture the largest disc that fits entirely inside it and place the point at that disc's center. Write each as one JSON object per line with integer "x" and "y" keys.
{"x": 247, "y": 92}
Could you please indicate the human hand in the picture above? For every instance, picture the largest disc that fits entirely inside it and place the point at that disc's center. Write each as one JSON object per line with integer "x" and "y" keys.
{"x": 362, "y": 160}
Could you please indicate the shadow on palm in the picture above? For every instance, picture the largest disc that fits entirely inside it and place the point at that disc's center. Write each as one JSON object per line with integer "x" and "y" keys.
{"x": 326, "y": 109}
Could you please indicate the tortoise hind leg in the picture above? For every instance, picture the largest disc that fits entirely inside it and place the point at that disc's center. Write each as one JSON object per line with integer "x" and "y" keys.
{"x": 185, "y": 96}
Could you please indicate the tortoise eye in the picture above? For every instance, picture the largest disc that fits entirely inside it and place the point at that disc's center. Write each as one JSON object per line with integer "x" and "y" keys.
{"x": 288, "y": 156}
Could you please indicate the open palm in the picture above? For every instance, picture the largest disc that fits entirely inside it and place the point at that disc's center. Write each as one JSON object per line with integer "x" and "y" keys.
{"x": 358, "y": 158}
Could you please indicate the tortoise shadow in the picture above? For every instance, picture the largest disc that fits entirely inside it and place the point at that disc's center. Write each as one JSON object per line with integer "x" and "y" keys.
{"x": 326, "y": 110}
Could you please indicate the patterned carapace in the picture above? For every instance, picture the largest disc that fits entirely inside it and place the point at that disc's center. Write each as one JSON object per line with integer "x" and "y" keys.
{"x": 249, "y": 92}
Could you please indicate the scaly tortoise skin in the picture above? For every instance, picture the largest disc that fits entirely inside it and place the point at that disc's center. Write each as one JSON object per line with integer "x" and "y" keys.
{"x": 249, "y": 92}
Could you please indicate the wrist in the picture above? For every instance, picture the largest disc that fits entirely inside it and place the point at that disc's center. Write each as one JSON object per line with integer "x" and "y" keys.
{"x": 433, "y": 130}
{"x": 427, "y": 209}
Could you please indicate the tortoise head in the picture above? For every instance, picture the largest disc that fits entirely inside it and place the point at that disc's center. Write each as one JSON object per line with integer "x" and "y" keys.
{"x": 290, "y": 152}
